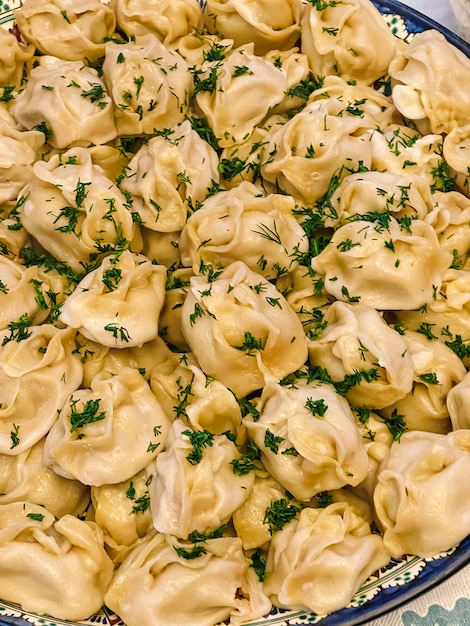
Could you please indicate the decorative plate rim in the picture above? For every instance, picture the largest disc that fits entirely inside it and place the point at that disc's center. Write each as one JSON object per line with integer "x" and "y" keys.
{"x": 399, "y": 582}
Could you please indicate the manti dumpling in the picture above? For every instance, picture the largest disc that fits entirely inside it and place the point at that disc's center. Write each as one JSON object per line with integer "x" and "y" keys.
{"x": 421, "y": 496}
{"x": 68, "y": 102}
{"x": 27, "y": 291}
{"x": 69, "y": 29}
{"x": 356, "y": 338}
{"x": 302, "y": 155}
{"x": 25, "y": 477}
{"x": 13, "y": 56}
{"x": 58, "y": 567}
{"x": 118, "y": 304}
{"x": 447, "y": 316}
{"x": 458, "y": 404}
{"x": 270, "y": 25}
{"x": 387, "y": 267}
{"x": 232, "y": 104}
{"x": 429, "y": 78}
{"x": 108, "y": 433}
{"x": 169, "y": 20}
{"x": 249, "y": 519}
{"x": 242, "y": 225}
{"x": 75, "y": 211}
{"x": 450, "y": 219}
{"x": 123, "y": 513}
{"x": 18, "y": 151}
{"x": 240, "y": 334}
{"x": 38, "y": 371}
{"x": 348, "y": 38}
{"x": 149, "y": 85}
{"x": 437, "y": 369}
{"x": 195, "y": 486}
{"x": 308, "y": 438}
{"x": 401, "y": 150}
{"x": 185, "y": 392}
{"x": 366, "y": 193}
{"x": 172, "y": 173}
{"x": 322, "y": 558}
{"x": 176, "y": 583}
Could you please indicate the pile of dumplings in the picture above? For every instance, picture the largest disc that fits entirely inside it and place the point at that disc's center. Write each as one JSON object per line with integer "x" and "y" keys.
{"x": 234, "y": 306}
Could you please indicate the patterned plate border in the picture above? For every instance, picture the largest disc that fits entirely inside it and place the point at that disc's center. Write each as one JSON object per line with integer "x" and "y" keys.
{"x": 401, "y": 580}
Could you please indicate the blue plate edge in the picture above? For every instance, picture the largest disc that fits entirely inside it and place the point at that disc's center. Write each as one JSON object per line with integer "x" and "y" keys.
{"x": 422, "y": 21}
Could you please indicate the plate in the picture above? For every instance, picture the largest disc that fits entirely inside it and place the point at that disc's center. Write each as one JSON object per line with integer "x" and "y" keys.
{"x": 402, "y": 579}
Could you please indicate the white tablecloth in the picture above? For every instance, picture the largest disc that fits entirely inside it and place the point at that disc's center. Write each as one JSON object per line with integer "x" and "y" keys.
{"x": 449, "y": 603}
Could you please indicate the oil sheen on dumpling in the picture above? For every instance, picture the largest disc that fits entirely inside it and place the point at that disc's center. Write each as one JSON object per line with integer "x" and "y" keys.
{"x": 421, "y": 496}
{"x": 37, "y": 374}
{"x": 241, "y": 329}
{"x": 240, "y": 224}
{"x": 108, "y": 433}
{"x": 69, "y": 29}
{"x": 321, "y": 559}
{"x": 175, "y": 583}
{"x": 68, "y": 102}
{"x": 348, "y": 38}
{"x": 58, "y": 567}
{"x": 172, "y": 173}
{"x": 308, "y": 438}
{"x": 270, "y": 25}
{"x": 118, "y": 304}
{"x": 195, "y": 486}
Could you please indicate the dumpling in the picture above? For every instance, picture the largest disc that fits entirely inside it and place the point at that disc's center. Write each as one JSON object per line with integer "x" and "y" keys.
{"x": 76, "y": 212}
{"x": 240, "y": 334}
{"x": 118, "y": 304}
{"x": 421, "y": 496}
{"x": 58, "y": 567}
{"x": 38, "y": 371}
{"x": 168, "y": 20}
{"x": 457, "y": 404}
{"x": 270, "y": 25}
{"x": 308, "y": 438}
{"x": 226, "y": 92}
{"x": 447, "y": 315}
{"x": 356, "y": 338}
{"x": 398, "y": 265}
{"x": 108, "y": 433}
{"x": 18, "y": 151}
{"x": 429, "y": 78}
{"x": 28, "y": 292}
{"x": 195, "y": 485}
{"x": 203, "y": 403}
{"x": 175, "y": 583}
{"x": 66, "y": 101}
{"x": 149, "y": 85}
{"x": 250, "y": 520}
{"x": 437, "y": 369}
{"x": 323, "y": 140}
{"x": 401, "y": 150}
{"x": 69, "y": 29}
{"x": 378, "y": 192}
{"x": 13, "y": 56}
{"x": 321, "y": 559}
{"x": 242, "y": 225}
{"x": 170, "y": 317}
{"x": 123, "y": 513}
{"x": 25, "y": 477}
{"x": 348, "y": 38}
{"x": 172, "y": 173}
